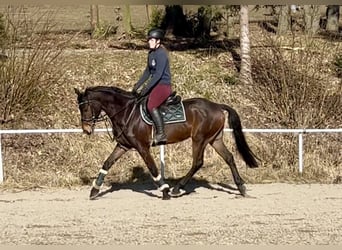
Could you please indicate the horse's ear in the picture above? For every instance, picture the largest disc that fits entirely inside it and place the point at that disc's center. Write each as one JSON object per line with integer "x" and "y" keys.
{"x": 77, "y": 91}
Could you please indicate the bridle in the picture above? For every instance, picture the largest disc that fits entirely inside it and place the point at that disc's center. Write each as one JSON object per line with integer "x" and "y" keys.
{"x": 93, "y": 120}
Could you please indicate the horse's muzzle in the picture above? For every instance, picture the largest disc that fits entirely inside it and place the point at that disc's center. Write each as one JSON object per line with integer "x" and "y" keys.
{"x": 87, "y": 128}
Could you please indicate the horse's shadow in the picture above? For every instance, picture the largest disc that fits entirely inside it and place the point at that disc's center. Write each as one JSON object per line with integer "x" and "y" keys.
{"x": 141, "y": 182}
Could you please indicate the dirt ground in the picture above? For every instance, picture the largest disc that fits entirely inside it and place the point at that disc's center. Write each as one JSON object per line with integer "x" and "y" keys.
{"x": 135, "y": 214}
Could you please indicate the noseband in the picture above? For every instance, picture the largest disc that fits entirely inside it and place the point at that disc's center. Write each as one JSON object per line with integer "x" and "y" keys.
{"x": 93, "y": 120}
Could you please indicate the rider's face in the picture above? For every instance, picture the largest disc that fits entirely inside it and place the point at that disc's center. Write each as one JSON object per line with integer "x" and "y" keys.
{"x": 153, "y": 43}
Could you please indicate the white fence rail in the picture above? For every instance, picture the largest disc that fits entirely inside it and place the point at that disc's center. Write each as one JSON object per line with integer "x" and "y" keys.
{"x": 300, "y": 133}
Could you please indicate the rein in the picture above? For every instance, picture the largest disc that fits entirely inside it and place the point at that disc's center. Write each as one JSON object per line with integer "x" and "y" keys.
{"x": 125, "y": 124}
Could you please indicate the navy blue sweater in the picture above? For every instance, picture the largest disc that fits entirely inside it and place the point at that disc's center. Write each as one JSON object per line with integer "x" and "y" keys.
{"x": 157, "y": 69}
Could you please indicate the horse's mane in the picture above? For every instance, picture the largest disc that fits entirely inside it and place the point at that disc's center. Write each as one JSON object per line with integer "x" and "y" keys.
{"x": 110, "y": 89}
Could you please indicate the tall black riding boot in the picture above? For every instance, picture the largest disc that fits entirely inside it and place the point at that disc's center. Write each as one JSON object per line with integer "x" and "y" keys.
{"x": 160, "y": 137}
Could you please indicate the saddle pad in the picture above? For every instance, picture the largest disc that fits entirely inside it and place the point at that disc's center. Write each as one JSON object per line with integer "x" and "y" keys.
{"x": 171, "y": 113}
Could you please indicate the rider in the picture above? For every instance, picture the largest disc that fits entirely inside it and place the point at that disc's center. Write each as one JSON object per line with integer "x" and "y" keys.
{"x": 158, "y": 87}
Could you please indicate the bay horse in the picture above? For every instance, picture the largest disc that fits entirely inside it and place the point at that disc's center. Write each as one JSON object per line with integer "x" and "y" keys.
{"x": 204, "y": 125}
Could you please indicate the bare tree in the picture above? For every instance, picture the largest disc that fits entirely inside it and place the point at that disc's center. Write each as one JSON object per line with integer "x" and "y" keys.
{"x": 245, "y": 72}
{"x": 94, "y": 18}
{"x": 230, "y": 14}
{"x": 283, "y": 20}
{"x": 174, "y": 21}
{"x": 311, "y": 19}
{"x": 149, "y": 12}
{"x": 333, "y": 15}
{"x": 127, "y": 18}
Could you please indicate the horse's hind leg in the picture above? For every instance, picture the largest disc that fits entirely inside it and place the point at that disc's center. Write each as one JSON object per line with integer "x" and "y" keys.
{"x": 113, "y": 157}
{"x": 197, "y": 154}
{"x": 222, "y": 150}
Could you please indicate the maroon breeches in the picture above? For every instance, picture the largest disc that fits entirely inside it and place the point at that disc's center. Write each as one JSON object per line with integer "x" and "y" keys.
{"x": 158, "y": 95}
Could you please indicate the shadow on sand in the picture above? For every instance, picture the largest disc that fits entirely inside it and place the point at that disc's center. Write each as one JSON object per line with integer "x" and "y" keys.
{"x": 142, "y": 183}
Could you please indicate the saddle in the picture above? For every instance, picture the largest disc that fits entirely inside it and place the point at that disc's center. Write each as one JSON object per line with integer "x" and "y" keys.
{"x": 172, "y": 110}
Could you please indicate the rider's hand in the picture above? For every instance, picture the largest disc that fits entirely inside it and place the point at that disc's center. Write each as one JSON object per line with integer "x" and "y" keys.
{"x": 144, "y": 92}
{"x": 135, "y": 89}
{"x": 139, "y": 98}
{"x": 135, "y": 93}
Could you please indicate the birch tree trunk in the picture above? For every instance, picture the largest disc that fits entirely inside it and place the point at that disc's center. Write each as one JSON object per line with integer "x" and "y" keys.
{"x": 245, "y": 71}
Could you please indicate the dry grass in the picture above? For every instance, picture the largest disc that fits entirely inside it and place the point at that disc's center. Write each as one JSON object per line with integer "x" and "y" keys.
{"x": 67, "y": 160}
{"x": 294, "y": 87}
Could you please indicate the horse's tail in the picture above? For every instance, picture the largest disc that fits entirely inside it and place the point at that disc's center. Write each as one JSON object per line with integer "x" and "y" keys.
{"x": 240, "y": 140}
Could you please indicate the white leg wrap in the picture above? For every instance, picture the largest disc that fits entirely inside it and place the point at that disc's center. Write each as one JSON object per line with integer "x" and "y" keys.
{"x": 95, "y": 185}
{"x": 162, "y": 187}
{"x": 158, "y": 178}
{"x": 103, "y": 171}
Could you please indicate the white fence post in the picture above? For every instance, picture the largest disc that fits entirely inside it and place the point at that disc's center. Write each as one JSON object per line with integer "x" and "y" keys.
{"x": 300, "y": 152}
{"x": 162, "y": 161}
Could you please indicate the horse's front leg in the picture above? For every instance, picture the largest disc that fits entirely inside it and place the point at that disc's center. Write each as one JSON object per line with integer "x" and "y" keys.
{"x": 113, "y": 157}
{"x": 157, "y": 178}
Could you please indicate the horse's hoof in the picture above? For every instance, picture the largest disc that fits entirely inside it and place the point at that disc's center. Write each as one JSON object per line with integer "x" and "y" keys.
{"x": 176, "y": 192}
{"x": 94, "y": 193}
{"x": 242, "y": 190}
{"x": 166, "y": 195}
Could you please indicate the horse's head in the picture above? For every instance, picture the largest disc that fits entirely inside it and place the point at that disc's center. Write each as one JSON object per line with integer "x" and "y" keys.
{"x": 90, "y": 109}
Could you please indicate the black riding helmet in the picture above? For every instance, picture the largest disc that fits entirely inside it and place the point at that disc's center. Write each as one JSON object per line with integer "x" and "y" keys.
{"x": 155, "y": 33}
